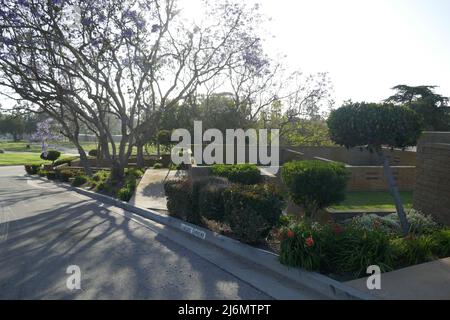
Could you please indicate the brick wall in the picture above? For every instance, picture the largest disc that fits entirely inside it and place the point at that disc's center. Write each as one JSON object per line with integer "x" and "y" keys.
{"x": 432, "y": 192}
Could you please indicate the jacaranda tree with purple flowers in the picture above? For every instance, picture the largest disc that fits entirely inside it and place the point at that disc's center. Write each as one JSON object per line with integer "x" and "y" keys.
{"x": 83, "y": 61}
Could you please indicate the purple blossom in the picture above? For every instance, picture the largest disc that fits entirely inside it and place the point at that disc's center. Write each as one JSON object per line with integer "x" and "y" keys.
{"x": 128, "y": 33}
{"x": 156, "y": 27}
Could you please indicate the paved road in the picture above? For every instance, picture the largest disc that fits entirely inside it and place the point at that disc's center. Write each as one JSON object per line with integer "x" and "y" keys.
{"x": 45, "y": 228}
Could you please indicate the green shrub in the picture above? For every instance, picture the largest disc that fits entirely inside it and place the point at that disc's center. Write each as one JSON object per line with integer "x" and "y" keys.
{"x": 78, "y": 181}
{"x": 335, "y": 250}
{"x": 412, "y": 250}
{"x": 32, "y": 168}
{"x": 52, "y": 155}
{"x": 100, "y": 176}
{"x": 252, "y": 210}
{"x": 66, "y": 174}
{"x": 238, "y": 173}
{"x": 2, "y": 151}
{"x": 179, "y": 200}
{"x": 419, "y": 224}
{"x": 300, "y": 246}
{"x": 315, "y": 185}
{"x": 373, "y": 125}
{"x": 207, "y": 197}
{"x": 134, "y": 173}
{"x": 125, "y": 194}
{"x": 157, "y": 166}
{"x": 51, "y": 175}
{"x": 93, "y": 153}
{"x": 65, "y": 160}
{"x": 42, "y": 173}
{"x": 441, "y": 243}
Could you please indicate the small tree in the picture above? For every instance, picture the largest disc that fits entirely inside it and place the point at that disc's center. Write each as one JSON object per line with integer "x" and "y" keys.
{"x": 314, "y": 185}
{"x": 374, "y": 126}
{"x": 51, "y": 155}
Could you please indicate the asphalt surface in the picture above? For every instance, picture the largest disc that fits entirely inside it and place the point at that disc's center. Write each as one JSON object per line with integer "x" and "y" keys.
{"x": 44, "y": 229}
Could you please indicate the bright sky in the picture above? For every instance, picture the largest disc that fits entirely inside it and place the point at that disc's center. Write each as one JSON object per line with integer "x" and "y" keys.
{"x": 367, "y": 46}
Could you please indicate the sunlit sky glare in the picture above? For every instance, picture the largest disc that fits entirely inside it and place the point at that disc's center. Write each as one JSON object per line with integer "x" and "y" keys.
{"x": 367, "y": 46}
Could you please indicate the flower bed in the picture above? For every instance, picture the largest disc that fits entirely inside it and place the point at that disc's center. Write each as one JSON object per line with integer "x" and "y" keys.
{"x": 100, "y": 182}
{"x": 344, "y": 251}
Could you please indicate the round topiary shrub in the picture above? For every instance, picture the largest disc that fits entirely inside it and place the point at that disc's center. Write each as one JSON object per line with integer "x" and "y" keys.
{"x": 208, "y": 197}
{"x": 51, "y": 155}
{"x": 314, "y": 185}
{"x": 252, "y": 210}
{"x": 93, "y": 153}
{"x": 238, "y": 173}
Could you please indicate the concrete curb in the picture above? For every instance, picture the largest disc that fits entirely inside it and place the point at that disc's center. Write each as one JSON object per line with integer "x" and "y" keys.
{"x": 312, "y": 280}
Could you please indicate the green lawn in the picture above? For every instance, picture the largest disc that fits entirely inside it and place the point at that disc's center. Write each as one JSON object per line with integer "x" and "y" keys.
{"x": 13, "y": 159}
{"x": 21, "y": 146}
{"x": 372, "y": 201}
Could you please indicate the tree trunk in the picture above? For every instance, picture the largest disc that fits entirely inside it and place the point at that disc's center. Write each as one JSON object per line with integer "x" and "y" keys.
{"x": 84, "y": 161}
{"x": 140, "y": 155}
{"x": 117, "y": 170}
{"x": 395, "y": 193}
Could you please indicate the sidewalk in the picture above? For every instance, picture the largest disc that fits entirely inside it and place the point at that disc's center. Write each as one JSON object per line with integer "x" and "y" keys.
{"x": 425, "y": 281}
{"x": 150, "y": 191}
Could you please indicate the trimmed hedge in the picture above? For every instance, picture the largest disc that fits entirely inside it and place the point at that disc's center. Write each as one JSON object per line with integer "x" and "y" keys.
{"x": 207, "y": 197}
{"x": 238, "y": 173}
{"x": 179, "y": 200}
{"x": 252, "y": 210}
{"x": 93, "y": 153}
{"x": 314, "y": 185}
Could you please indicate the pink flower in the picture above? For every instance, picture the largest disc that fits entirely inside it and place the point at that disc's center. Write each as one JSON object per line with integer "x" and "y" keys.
{"x": 309, "y": 242}
{"x": 290, "y": 234}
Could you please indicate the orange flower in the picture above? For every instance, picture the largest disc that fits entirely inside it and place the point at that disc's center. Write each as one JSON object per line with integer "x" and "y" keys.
{"x": 290, "y": 234}
{"x": 309, "y": 242}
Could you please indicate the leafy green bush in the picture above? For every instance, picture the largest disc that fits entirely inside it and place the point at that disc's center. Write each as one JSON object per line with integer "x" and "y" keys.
{"x": 41, "y": 172}
{"x": 419, "y": 224}
{"x": 179, "y": 200}
{"x": 238, "y": 173}
{"x": 371, "y": 124}
{"x": 157, "y": 166}
{"x": 32, "y": 168}
{"x": 315, "y": 185}
{"x": 134, "y": 172}
{"x": 51, "y": 175}
{"x": 2, "y": 151}
{"x": 441, "y": 243}
{"x": 412, "y": 250}
{"x": 52, "y": 155}
{"x": 93, "y": 153}
{"x": 78, "y": 181}
{"x": 207, "y": 197}
{"x": 66, "y": 174}
{"x": 65, "y": 160}
{"x": 125, "y": 194}
{"x": 252, "y": 210}
{"x": 334, "y": 249}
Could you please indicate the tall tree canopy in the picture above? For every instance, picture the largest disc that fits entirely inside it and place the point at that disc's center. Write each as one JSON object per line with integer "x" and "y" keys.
{"x": 434, "y": 108}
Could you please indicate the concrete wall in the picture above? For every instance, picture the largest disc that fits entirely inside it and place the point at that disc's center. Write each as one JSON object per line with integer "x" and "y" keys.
{"x": 432, "y": 192}
{"x": 366, "y": 173}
